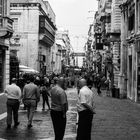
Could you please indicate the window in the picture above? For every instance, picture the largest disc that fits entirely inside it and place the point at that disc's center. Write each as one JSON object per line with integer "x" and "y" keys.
{"x": 131, "y": 24}
{"x": 15, "y": 24}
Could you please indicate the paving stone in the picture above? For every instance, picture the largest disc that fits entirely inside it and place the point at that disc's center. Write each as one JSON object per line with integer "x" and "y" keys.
{"x": 42, "y": 124}
{"x": 115, "y": 119}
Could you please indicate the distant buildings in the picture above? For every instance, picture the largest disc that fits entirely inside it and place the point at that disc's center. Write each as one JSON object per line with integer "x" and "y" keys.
{"x": 65, "y": 49}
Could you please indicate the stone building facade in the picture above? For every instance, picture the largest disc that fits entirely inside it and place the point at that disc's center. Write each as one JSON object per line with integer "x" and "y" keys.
{"x": 130, "y": 47}
{"x": 108, "y": 30}
{"x": 34, "y": 23}
{"x": 6, "y": 32}
{"x": 64, "y": 48}
{"x": 115, "y": 38}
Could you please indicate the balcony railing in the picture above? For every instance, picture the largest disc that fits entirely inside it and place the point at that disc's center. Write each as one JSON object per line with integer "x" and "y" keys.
{"x": 6, "y": 27}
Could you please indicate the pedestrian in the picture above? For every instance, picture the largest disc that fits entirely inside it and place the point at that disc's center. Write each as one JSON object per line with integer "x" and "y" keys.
{"x": 37, "y": 82}
{"x": 89, "y": 81}
{"x": 59, "y": 107}
{"x": 31, "y": 95}
{"x": 13, "y": 94}
{"x": 107, "y": 84}
{"x": 98, "y": 82}
{"x": 86, "y": 109}
{"x": 44, "y": 90}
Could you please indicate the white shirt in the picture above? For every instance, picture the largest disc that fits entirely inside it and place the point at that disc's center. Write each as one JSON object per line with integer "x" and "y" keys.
{"x": 85, "y": 96}
{"x": 13, "y": 92}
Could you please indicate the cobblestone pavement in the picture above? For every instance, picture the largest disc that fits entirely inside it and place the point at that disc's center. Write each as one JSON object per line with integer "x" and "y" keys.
{"x": 42, "y": 124}
{"x": 115, "y": 119}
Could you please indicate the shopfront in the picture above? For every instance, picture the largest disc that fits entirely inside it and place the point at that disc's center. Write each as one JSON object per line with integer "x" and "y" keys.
{"x": 2, "y": 55}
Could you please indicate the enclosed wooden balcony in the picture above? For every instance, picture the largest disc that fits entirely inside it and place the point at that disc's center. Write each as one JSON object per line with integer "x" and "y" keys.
{"x": 6, "y": 27}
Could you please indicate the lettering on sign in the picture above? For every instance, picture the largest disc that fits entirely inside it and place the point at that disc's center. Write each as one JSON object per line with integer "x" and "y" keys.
{"x": 79, "y": 54}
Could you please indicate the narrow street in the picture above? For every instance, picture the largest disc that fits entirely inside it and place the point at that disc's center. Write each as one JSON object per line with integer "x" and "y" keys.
{"x": 42, "y": 124}
{"x": 115, "y": 119}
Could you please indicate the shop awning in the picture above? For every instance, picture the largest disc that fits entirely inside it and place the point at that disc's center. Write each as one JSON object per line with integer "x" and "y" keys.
{"x": 26, "y": 69}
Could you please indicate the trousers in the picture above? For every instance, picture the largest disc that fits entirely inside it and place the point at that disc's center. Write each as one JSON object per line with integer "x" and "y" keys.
{"x": 59, "y": 124}
{"x": 12, "y": 110}
{"x": 30, "y": 105}
{"x": 84, "y": 125}
{"x": 45, "y": 99}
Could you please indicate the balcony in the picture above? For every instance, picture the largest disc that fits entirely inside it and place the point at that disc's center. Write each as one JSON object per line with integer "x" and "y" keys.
{"x": 6, "y": 27}
{"x": 46, "y": 30}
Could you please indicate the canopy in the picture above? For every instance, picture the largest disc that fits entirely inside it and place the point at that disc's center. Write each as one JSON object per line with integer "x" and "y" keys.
{"x": 26, "y": 69}
{"x": 77, "y": 69}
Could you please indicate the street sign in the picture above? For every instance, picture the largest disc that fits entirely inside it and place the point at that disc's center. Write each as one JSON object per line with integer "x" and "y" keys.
{"x": 79, "y": 54}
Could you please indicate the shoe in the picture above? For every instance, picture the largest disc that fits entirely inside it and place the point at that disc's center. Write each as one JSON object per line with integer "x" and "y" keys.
{"x": 29, "y": 126}
{"x": 16, "y": 124}
{"x": 43, "y": 109}
{"x": 8, "y": 126}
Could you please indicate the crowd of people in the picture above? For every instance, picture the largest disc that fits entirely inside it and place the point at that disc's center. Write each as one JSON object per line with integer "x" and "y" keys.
{"x": 28, "y": 89}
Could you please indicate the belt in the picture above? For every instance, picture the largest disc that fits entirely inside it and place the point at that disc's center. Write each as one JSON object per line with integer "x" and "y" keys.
{"x": 12, "y": 99}
{"x": 29, "y": 99}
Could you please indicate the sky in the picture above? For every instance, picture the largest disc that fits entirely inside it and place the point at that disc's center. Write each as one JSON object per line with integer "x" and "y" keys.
{"x": 74, "y": 15}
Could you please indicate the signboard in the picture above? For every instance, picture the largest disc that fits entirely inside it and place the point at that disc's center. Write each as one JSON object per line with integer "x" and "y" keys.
{"x": 79, "y": 54}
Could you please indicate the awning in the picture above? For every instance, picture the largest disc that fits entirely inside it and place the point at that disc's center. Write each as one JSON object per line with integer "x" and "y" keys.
{"x": 26, "y": 69}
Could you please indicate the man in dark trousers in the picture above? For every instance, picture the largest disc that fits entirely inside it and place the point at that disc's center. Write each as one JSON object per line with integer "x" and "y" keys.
{"x": 31, "y": 96}
{"x": 13, "y": 94}
{"x": 59, "y": 107}
{"x": 86, "y": 109}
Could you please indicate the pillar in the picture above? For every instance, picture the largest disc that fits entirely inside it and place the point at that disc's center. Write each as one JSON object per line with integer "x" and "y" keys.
{"x": 123, "y": 56}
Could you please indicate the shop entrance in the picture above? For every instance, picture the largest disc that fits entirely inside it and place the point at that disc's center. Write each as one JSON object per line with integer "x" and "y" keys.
{"x": 2, "y": 54}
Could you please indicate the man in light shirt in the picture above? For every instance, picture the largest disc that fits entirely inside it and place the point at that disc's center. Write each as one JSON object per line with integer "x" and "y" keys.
{"x": 86, "y": 109}
{"x": 13, "y": 94}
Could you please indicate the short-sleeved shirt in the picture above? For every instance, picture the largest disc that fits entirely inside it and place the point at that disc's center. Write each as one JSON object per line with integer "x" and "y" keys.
{"x": 31, "y": 91}
{"x": 85, "y": 96}
{"x": 13, "y": 92}
{"x": 58, "y": 98}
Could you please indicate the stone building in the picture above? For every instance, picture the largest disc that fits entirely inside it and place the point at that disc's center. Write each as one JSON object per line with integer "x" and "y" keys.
{"x": 115, "y": 38}
{"x": 34, "y": 23}
{"x": 130, "y": 47}
{"x": 6, "y": 32}
{"x": 65, "y": 47}
{"x": 107, "y": 32}
{"x": 102, "y": 29}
